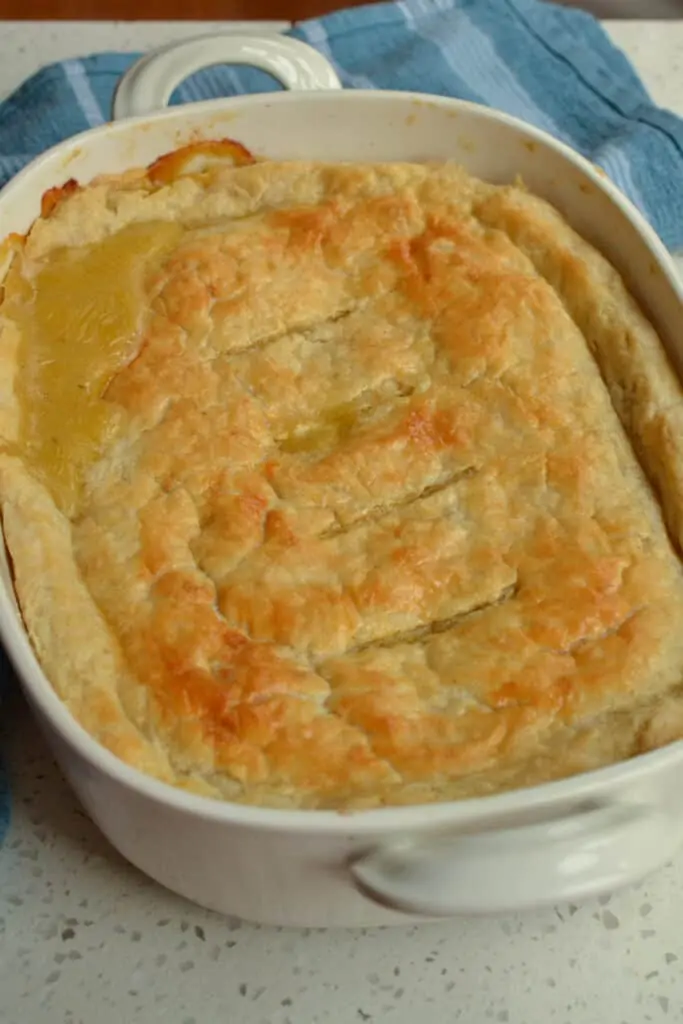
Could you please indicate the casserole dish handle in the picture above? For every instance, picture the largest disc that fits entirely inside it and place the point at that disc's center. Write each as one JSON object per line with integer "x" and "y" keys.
{"x": 148, "y": 85}
{"x": 593, "y": 851}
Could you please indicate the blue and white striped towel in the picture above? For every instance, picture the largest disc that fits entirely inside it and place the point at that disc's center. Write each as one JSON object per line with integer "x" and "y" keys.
{"x": 5, "y": 801}
{"x": 549, "y": 65}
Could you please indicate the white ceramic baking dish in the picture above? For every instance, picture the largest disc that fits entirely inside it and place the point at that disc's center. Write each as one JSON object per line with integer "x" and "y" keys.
{"x": 563, "y": 840}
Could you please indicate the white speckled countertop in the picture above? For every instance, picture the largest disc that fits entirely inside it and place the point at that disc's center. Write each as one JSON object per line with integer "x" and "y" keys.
{"x": 85, "y": 938}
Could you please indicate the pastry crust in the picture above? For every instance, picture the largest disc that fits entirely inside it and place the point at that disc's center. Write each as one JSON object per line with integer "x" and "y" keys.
{"x": 371, "y": 492}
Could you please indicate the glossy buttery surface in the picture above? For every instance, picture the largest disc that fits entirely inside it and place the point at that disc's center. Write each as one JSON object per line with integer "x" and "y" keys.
{"x": 334, "y": 486}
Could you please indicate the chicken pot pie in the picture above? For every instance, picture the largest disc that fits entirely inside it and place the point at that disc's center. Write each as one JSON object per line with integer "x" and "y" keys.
{"x": 335, "y": 486}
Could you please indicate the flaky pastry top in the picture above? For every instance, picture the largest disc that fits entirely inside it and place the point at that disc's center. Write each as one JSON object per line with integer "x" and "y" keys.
{"x": 335, "y": 486}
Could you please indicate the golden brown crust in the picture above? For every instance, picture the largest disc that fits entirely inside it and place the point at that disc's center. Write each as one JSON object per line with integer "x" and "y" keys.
{"x": 54, "y": 196}
{"x": 351, "y": 517}
{"x": 197, "y": 155}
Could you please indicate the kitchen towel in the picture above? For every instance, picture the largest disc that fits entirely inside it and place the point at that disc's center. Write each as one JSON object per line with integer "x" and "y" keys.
{"x": 4, "y": 803}
{"x": 6, "y": 677}
{"x": 546, "y": 64}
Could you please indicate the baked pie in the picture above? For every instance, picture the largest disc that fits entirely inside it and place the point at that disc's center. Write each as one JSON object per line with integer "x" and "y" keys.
{"x": 336, "y": 486}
